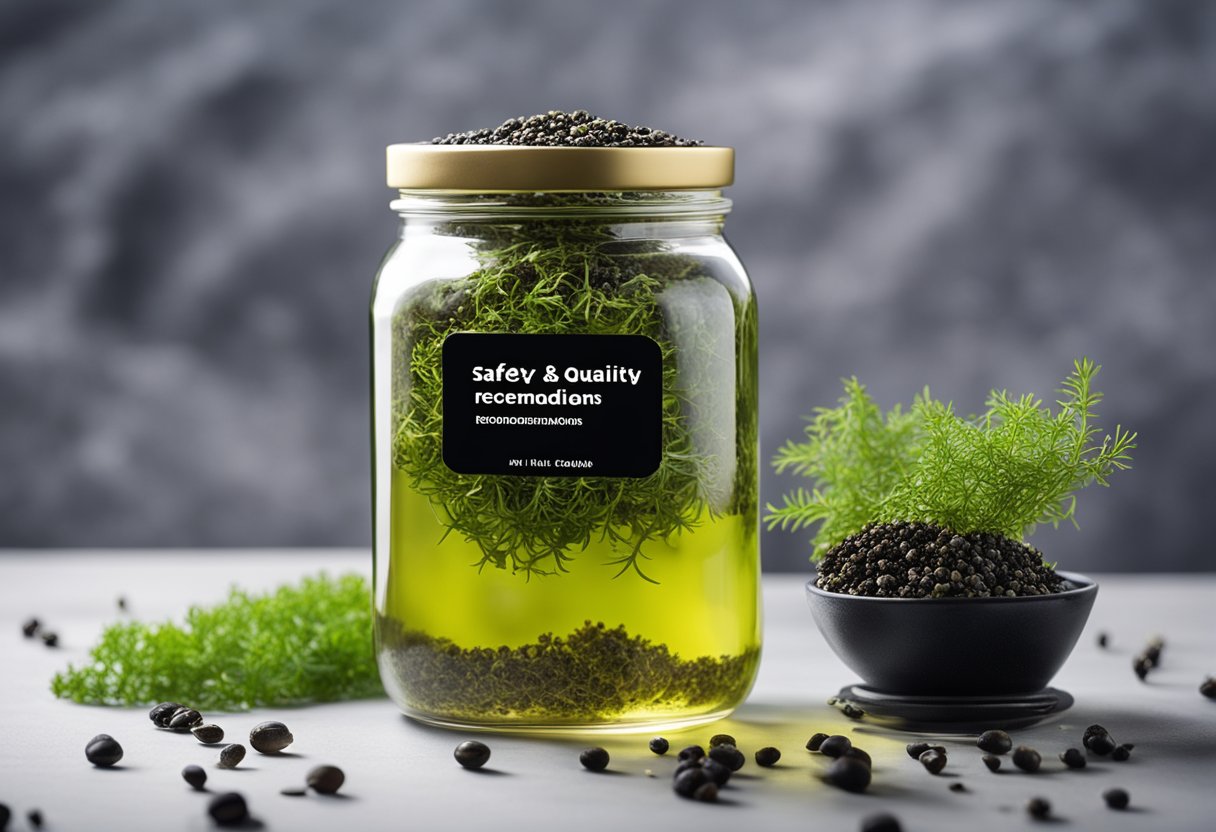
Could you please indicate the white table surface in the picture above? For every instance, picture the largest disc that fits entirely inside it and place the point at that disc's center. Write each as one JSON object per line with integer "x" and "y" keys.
{"x": 401, "y": 775}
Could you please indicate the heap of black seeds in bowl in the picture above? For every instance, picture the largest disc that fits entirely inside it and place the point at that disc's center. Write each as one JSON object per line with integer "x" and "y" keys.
{"x": 918, "y": 560}
{"x": 558, "y": 129}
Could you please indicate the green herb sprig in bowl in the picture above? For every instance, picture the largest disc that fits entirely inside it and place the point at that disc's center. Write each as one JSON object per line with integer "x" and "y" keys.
{"x": 980, "y": 483}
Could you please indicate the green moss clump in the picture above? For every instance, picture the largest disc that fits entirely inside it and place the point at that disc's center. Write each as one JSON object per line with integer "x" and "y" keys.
{"x": 562, "y": 276}
{"x": 299, "y": 644}
{"x": 1002, "y": 472}
{"x": 595, "y": 674}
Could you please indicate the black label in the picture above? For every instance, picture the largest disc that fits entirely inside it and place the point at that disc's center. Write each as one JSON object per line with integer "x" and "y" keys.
{"x": 552, "y": 405}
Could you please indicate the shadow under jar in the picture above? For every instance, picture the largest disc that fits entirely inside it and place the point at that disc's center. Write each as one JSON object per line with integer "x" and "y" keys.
{"x": 565, "y": 440}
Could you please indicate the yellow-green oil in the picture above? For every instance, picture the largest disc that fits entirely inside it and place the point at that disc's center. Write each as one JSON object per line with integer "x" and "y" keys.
{"x": 700, "y": 624}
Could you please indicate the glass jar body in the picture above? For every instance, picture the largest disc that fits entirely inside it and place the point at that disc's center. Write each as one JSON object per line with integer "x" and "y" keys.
{"x": 566, "y": 600}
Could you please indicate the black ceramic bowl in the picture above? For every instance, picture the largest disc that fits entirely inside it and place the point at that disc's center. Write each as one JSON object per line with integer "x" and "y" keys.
{"x": 954, "y": 646}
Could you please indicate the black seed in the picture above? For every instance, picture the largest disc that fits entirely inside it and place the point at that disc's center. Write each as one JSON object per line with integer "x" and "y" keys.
{"x": 293, "y": 792}
{"x": 208, "y": 734}
{"x": 659, "y": 745}
{"x": 706, "y": 793}
{"x": 270, "y": 737}
{"x": 852, "y": 711}
{"x": 195, "y": 776}
{"x": 50, "y": 639}
{"x": 103, "y": 751}
{"x": 957, "y": 787}
{"x": 1073, "y": 758}
{"x": 1100, "y": 744}
{"x": 859, "y": 754}
{"x": 848, "y": 773}
{"x": 722, "y": 739}
{"x": 934, "y": 761}
{"x": 1121, "y": 753}
{"x": 5, "y": 814}
{"x": 1116, "y": 798}
{"x": 995, "y": 742}
{"x": 184, "y": 719}
{"x": 472, "y": 754}
{"x": 1208, "y": 688}
{"x": 992, "y": 761}
{"x": 594, "y": 759}
{"x": 1092, "y": 731}
{"x": 816, "y": 740}
{"x": 34, "y": 816}
{"x": 122, "y": 602}
{"x": 718, "y": 773}
{"x": 915, "y": 749}
{"x": 684, "y": 765}
{"x": 162, "y": 713}
{"x": 728, "y": 756}
{"x": 325, "y": 779}
{"x": 228, "y": 809}
{"x": 1026, "y": 758}
{"x": 881, "y": 823}
{"x": 1038, "y": 808}
{"x": 767, "y": 756}
{"x": 687, "y": 782}
{"x": 835, "y": 746}
{"x": 231, "y": 755}
{"x": 692, "y": 752}
{"x": 1103, "y": 640}
{"x": 30, "y": 629}
{"x": 1141, "y": 665}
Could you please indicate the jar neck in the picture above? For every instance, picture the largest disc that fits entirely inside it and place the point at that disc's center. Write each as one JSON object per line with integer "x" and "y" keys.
{"x": 627, "y": 206}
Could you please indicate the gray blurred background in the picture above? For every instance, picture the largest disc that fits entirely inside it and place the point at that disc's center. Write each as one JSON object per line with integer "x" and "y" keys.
{"x": 963, "y": 194}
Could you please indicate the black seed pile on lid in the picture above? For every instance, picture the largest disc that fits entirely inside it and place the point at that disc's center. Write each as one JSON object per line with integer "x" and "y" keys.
{"x": 918, "y": 560}
{"x": 558, "y": 129}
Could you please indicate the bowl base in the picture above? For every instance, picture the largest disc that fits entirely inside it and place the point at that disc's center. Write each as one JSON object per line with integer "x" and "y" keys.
{"x": 949, "y": 714}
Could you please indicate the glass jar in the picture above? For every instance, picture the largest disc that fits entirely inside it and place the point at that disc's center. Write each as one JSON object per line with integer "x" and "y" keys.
{"x": 565, "y": 440}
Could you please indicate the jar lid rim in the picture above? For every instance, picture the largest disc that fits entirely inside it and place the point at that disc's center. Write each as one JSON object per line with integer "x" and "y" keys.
{"x": 514, "y": 168}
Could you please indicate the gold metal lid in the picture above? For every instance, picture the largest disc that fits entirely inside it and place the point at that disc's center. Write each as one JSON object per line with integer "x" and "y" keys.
{"x": 486, "y": 168}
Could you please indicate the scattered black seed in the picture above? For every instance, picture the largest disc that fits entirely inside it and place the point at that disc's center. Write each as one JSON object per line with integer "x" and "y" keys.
{"x": 688, "y": 781}
{"x": 957, "y": 787}
{"x": 594, "y": 759}
{"x": 1100, "y": 744}
{"x": 162, "y": 713}
{"x": 835, "y": 746}
{"x": 231, "y": 755}
{"x": 918, "y": 560}
{"x": 208, "y": 734}
{"x": 859, "y": 754}
{"x": 558, "y": 129}
{"x": 1092, "y": 731}
{"x": 848, "y": 773}
{"x": 692, "y": 752}
{"x": 1039, "y": 808}
{"x": 1116, "y": 798}
{"x": 995, "y": 742}
{"x": 325, "y": 779}
{"x": 103, "y": 751}
{"x": 722, "y": 739}
{"x": 933, "y": 761}
{"x": 1208, "y": 688}
{"x": 1073, "y": 758}
{"x": 34, "y": 816}
{"x": 184, "y": 719}
{"x": 706, "y": 793}
{"x": 1121, "y": 753}
{"x": 228, "y": 809}
{"x": 851, "y": 711}
{"x": 992, "y": 761}
{"x": 122, "y": 602}
{"x": 728, "y": 756}
{"x": 768, "y": 756}
{"x": 195, "y": 776}
{"x": 1141, "y": 666}
{"x": 881, "y": 823}
{"x": 293, "y": 792}
{"x": 1103, "y": 640}
{"x": 684, "y": 765}
{"x": 815, "y": 742}
{"x": 1026, "y": 758}
{"x": 915, "y": 749}
{"x": 30, "y": 628}
{"x": 5, "y": 814}
{"x": 50, "y": 639}
{"x": 472, "y": 754}
{"x": 659, "y": 745}
{"x": 718, "y": 773}
{"x": 270, "y": 737}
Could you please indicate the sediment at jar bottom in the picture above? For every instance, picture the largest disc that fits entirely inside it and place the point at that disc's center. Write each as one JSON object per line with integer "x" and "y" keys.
{"x": 592, "y": 675}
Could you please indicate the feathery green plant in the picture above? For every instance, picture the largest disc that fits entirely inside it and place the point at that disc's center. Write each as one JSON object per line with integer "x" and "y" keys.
{"x": 306, "y": 643}
{"x": 1003, "y": 471}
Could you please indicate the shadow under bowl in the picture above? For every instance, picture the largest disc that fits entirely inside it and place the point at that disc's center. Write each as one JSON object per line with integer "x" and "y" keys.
{"x": 955, "y": 646}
